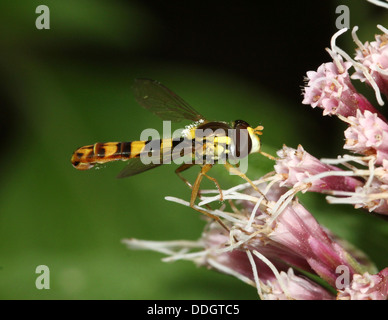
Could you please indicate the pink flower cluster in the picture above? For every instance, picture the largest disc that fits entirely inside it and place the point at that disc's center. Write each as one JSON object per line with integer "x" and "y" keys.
{"x": 295, "y": 240}
{"x": 330, "y": 89}
{"x": 286, "y": 236}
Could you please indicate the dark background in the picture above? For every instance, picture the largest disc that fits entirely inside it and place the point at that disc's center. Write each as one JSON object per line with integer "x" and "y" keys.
{"x": 70, "y": 86}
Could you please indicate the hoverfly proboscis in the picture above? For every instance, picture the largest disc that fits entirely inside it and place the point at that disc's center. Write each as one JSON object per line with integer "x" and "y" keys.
{"x": 160, "y": 100}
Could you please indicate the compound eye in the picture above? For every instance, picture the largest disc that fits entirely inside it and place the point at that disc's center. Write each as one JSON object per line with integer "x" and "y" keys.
{"x": 242, "y": 139}
{"x": 241, "y": 124}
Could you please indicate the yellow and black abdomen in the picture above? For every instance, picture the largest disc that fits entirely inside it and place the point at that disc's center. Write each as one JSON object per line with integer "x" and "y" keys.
{"x": 87, "y": 157}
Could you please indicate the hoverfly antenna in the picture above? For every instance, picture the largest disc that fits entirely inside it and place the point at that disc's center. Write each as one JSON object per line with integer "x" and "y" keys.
{"x": 258, "y": 130}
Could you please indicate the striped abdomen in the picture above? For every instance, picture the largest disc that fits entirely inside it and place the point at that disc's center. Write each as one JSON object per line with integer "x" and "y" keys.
{"x": 87, "y": 157}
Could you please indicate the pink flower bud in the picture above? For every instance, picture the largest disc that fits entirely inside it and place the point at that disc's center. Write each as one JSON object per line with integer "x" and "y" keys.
{"x": 367, "y": 135}
{"x": 297, "y": 288}
{"x": 366, "y": 287}
{"x": 330, "y": 88}
{"x": 298, "y": 231}
{"x": 374, "y": 56}
{"x": 297, "y": 166}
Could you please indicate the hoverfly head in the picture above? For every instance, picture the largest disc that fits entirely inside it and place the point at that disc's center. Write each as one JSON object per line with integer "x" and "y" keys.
{"x": 250, "y": 140}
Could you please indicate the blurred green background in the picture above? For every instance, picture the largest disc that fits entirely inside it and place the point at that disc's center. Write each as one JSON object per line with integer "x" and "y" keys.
{"x": 70, "y": 86}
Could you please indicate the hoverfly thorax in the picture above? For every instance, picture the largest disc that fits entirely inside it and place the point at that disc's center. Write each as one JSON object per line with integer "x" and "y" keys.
{"x": 212, "y": 142}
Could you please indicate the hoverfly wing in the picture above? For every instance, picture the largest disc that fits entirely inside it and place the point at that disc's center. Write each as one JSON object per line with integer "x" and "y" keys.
{"x": 160, "y": 100}
{"x": 136, "y": 166}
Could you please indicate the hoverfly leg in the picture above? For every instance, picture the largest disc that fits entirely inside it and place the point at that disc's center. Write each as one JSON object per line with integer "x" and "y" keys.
{"x": 197, "y": 183}
{"x": 237, "y": 172}
{"x": 217, "y": 185}
{"x": 182, "y": 168}
{"x": 195, "y": 190}
{"x": 265, "y": 154}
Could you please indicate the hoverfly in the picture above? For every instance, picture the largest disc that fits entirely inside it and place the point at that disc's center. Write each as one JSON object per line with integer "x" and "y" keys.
{"x": 160, "y": 100}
